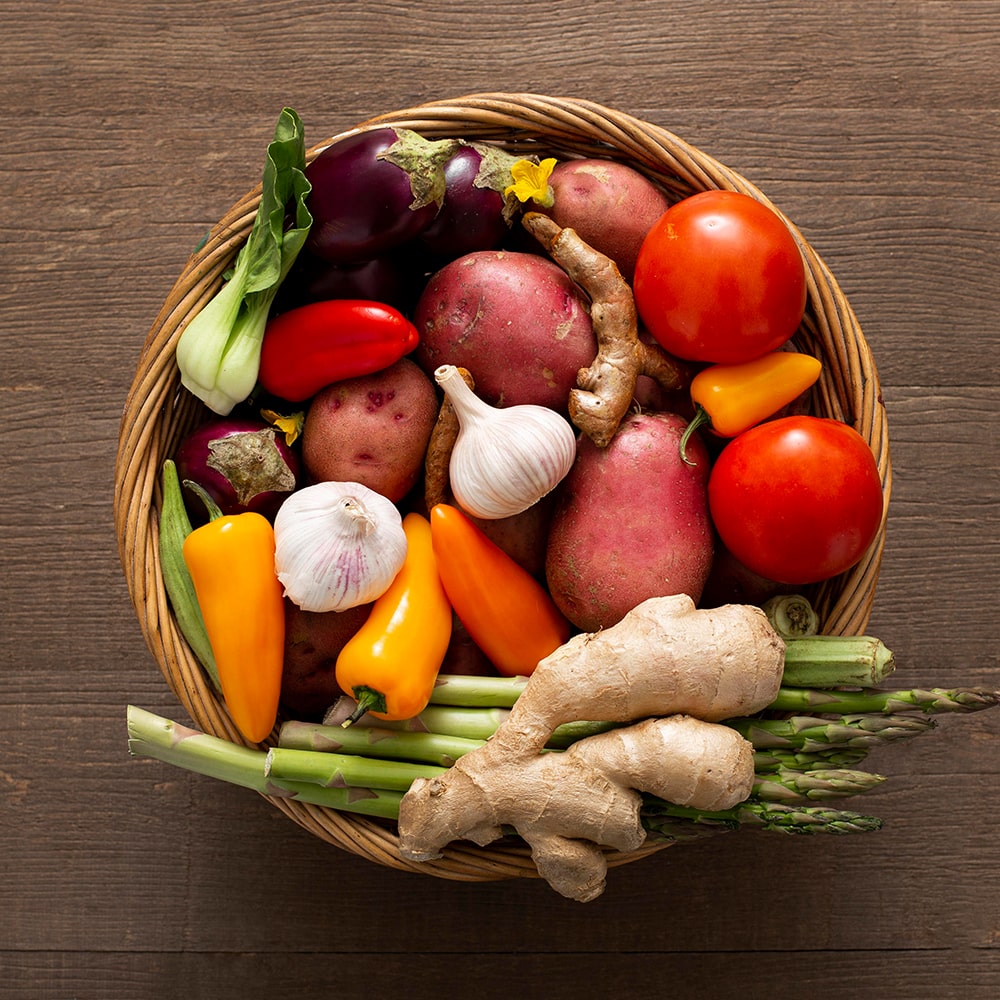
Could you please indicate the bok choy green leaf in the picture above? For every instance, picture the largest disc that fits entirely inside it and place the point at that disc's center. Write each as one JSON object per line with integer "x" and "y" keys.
{"x": 218, "y": 353}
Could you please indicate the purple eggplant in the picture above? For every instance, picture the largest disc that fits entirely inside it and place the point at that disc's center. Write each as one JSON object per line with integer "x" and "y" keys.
{"x": 243, "y": 464}
{"x": 373, "y": 191}
{"x": 395, "y": 279}
{"x": 472, "y": 215}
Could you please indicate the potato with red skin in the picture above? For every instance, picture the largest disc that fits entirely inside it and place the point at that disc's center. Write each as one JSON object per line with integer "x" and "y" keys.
{"x": 313, "y": 640}
{"x": 514, "y": 320}
{"x": 522, "y": 536}
{"x": 372, "y": 430}
{"x": 463, "y": 656}
{"x": 631, "y": 522}
{"x": 610, "y": 205}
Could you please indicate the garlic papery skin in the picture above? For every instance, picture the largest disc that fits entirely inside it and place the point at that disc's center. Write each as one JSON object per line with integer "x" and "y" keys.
{"x": 504, "y": 459}
{"x": 337, "y": 545}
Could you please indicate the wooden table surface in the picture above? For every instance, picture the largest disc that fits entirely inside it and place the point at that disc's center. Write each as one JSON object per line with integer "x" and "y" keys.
{"x": 128, "y": 129}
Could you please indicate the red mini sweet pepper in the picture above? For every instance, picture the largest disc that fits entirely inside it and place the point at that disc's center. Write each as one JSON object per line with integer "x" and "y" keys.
{"x": 315, "y": 345}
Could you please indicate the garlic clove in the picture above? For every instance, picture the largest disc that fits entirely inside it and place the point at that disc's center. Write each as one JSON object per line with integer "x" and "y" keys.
{"x": 504, "y": 459}
{"x": 337, "y": 546}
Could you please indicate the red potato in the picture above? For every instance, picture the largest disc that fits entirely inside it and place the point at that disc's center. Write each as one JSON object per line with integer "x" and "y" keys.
{"x": 372, "y": 430}
{"x": 523, "y": 536}
{"x": 514, "y": 320}
{"x": 610, "y": 205}
{"x": 631, "y": 522}
{"x": 463, "y": 656}
{"x": 313, "y": 640}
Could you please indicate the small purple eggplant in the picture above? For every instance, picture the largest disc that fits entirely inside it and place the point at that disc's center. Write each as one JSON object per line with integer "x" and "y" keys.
{"x": 373, "y": 191}
{"x": 395, "y": 279}
{"x": 472, "y": 215}
{"x": 243, "y": 464}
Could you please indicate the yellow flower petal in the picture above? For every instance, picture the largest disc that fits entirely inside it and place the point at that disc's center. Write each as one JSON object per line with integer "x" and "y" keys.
{"x": 290, "y": 426}
{"x": 531, "y": 181}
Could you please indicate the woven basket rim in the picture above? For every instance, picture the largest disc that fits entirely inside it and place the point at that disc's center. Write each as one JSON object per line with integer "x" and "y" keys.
{"x": 157, "y": 412}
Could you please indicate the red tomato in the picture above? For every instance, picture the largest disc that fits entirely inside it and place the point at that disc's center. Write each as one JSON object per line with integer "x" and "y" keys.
{"x": 797, "y": 500}
{"x": 720, "y": 278}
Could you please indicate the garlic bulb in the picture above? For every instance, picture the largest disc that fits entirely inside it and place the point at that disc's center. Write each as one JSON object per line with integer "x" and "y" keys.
{"x": 504, "y": 459}
{"x": 337, "y": 545}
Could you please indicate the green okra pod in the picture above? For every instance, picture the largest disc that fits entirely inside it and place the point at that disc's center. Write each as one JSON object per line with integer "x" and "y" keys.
{"x": 175, "y": 526}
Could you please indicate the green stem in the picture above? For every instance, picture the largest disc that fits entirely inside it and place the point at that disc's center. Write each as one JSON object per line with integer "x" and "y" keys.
{"x": 701, "y": 418}
{"x": 214, "y": 511}
{"x": 791, "y": 616}
{"x": 368, "y": 700}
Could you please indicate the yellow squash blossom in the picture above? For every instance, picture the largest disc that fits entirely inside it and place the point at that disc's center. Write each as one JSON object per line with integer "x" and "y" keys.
{"x": 531, "y": 182}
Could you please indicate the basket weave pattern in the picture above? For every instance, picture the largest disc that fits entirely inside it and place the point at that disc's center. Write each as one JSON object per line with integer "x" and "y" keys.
{"x": 158, "y": 414}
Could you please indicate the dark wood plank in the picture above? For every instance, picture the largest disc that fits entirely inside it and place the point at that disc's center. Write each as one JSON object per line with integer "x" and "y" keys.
{"x": 130, "y": 128}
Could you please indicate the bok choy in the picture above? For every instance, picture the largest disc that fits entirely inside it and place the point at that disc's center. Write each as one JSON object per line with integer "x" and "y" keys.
{"x": 218, "y": 353}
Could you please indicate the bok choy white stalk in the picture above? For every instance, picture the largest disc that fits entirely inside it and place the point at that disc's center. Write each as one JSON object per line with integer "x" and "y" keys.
{"x": 218, "y": 353}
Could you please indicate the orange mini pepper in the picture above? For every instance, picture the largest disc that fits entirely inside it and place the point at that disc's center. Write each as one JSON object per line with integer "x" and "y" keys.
{"x": 231, "y": 562}
{"x": 507, "y": 612}
{"x": 391, "y": 663}
{"x": 731, "y": 399}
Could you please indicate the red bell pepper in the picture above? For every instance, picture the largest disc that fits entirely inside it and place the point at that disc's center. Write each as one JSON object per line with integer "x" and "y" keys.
{"x": 308, "y": 348}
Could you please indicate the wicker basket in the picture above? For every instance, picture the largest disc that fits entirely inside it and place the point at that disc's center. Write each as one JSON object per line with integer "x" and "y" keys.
{"x": 158, "y": 414}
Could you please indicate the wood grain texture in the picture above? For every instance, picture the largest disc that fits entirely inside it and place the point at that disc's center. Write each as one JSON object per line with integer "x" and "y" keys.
{"x": 131, "y": 127}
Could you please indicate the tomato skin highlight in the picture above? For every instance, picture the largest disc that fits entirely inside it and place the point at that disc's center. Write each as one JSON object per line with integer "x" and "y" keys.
{"x": 797, "y": 500}
{"x": 720, "y": 279}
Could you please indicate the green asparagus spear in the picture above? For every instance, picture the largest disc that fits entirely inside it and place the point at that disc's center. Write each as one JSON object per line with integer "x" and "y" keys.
{"x": 445, "y": 720}
{"x": 824, "y": 661}
{"x": 931, "y": 701}
{"x": 808, "y": 733}
{"x": 342, "y": 770}
{"x": 788, "y": 786}
{"x": 772, "y": 817}
{"x": 167, "y": 741}
{"x": 775, "y": 758}
{"x": 373, "y": 741}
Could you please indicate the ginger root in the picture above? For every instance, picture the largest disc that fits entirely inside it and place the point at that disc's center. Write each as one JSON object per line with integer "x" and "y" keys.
{"x": 444, "y": 434}
{"x": 664, "y": 657}
{"x": 568, "y": 806}
{"x": 606, "y": 389}
{"x": 686, "y": 668}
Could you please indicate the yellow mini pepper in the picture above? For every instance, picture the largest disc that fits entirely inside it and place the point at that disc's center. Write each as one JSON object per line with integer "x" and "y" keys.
{"x": 731, "y": 399}
{"x": 231, "y": 562}
{"x": 391, "y": 663}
